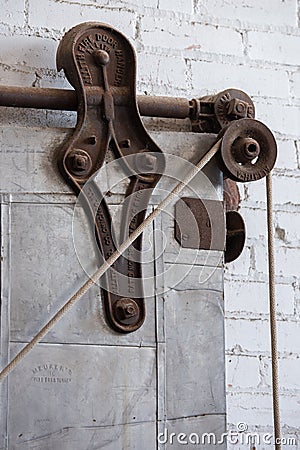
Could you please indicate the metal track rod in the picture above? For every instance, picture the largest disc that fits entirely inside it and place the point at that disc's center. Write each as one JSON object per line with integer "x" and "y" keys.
{"x": 66, "y": 100}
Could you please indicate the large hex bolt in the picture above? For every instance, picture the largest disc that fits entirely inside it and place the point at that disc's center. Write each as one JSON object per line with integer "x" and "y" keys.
{"x": 237, "y": 108}
{"x": 79, "y": 162}
{"x": 125, "y": 309}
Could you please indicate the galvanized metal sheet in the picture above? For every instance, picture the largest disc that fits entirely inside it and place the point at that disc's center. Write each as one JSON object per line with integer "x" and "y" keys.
{"x": 164, "y": 370}
{"x": 204, "y": 432}
{"x": 47, "y": 267}
{"x": 194, "y": 354}
{"x": 118, "y": 437}
{"x": 58, "y": 390}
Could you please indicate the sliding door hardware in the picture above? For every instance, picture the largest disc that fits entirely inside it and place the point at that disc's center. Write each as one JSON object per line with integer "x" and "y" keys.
{"x": 99, "y": 63}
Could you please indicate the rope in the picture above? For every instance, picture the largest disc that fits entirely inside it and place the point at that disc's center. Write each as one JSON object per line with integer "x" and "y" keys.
{"x": 110, "y": 261}
{"x": 273, "y": 327}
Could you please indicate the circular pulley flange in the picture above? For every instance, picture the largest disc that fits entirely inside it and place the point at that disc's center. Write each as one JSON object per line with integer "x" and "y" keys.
{"x": 235, "y": 236}
{"x": 248, "y": 150}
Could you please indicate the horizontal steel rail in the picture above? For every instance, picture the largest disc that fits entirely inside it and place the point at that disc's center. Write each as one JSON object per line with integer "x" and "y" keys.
{"x": 66, "y": 100}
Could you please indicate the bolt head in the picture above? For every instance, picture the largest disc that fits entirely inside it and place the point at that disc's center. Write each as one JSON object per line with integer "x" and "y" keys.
{"x": 126, "y": 308}
{"x": 237, "y": 107}
{"x": 79, "y": 162}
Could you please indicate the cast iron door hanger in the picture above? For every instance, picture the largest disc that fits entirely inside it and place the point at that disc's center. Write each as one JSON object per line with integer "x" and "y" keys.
{"x": 100, "y": 64}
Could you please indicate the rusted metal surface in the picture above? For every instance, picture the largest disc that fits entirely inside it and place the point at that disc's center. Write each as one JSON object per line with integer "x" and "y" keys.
{"x": 200, "y": 224}
{"x": 66, "y": 99}
{"x": 235, "y": 235}
{"x": 248, "y": 150}
{"x": 100, "y": 64}
{"x": 212, "y": 113}
{"x": 208, "y": 114}
{"x": 231, "y": 195}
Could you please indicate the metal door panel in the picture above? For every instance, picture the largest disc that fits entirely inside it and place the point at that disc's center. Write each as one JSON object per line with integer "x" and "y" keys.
{"x": 46, "y": 270}
{"x": 186, "y": 277}
{"x": 194, "y": 356}
{"x": 118, "y": 437}
{"x": 27, "y": 160}
{"x": 213, "y": 425}
{"x": 72, "y": 387}
{"x": 149, "y": 376}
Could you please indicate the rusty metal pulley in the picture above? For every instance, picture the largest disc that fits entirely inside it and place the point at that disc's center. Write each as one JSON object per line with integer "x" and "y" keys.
{"x": 235, "y": 236}
{"x": 248, "y": 150}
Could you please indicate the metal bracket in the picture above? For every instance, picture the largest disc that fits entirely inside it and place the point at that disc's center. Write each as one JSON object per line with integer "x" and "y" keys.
{"x": 200, "y": 224}
{"x": 100, "y": 63}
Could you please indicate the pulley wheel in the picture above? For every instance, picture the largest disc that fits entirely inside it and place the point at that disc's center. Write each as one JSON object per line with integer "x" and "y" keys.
{"x": 248, "y": 150}
{"x": 235, "y": 235}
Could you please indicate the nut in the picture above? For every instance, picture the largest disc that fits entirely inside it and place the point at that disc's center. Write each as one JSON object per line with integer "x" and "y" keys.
{"x": 146, "y": 162}
{"x": 79, "y": 162}
{"x": 126, "y": 308}
{"x": 237, "y": 108}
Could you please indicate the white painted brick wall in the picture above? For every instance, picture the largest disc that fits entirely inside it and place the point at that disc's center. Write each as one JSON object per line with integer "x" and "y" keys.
{"x": 190, "y": 48}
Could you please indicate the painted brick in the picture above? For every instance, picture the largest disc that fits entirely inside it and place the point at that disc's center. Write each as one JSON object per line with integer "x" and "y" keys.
{"x": 276, "y": 47}
{"x": 167, "y": 29}
{"x": 211, "y": 76}
{"x": 287, "y": 228}
{"x": 122, "y": 4}
{"x": 276, "y": 12}
{"x": 289, "y": 370}
{"x": 12, "y": 14}
{"x": 247, "y": 336}
{"x": 296, "y": 84}
{"x": 242, "y": 372}
{"x": 252, "y": 218}
{"x": 183, "y": 6}
{"x": 159, "y": 70}
{"x": 179, "y": 35}
{"x": 252, "y": 297}
{"x": 254, "y": 192}
{"x": 242, "y": 265}
{"x": 253, "y": 410}
{"x": 16, "y": 77}
{"x": 62, "y": 16}
{"x": 289, "y": 405}
{"x": 283, "y": 119}
{"x": 287, "y": 260}
{"x": 256, "y": 410}
{"x": 286, "y": 156}
{"x": 28, "y": 51}
{"x": 286, "y": 190}
{"x": 288, "y": 341}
